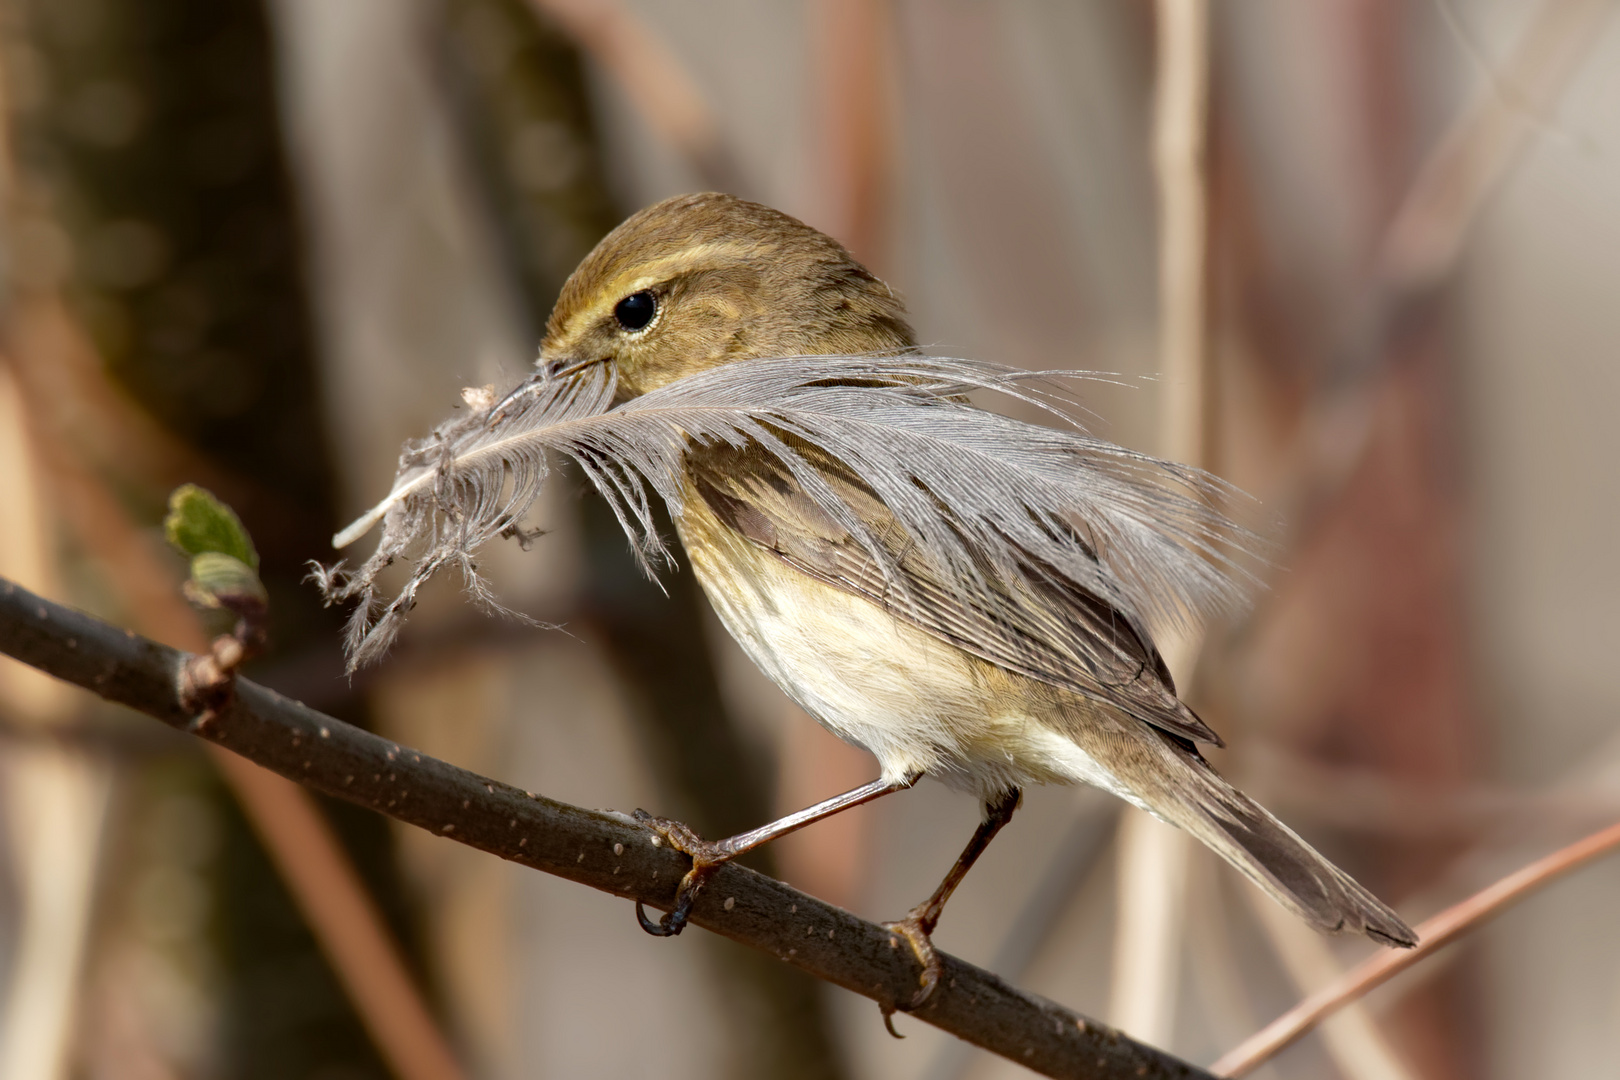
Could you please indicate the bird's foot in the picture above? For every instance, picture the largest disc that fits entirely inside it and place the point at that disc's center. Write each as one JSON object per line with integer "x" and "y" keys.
{"x": 706, "y": 856}
{"x": 916, "y": 928}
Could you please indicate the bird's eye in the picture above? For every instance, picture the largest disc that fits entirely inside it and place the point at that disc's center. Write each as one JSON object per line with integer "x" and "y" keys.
{"x": 635, "y": 311}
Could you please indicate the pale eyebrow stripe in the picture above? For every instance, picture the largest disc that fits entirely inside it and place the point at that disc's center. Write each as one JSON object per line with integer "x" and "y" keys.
{"x": 715, "y": 251}
{"x": 649, "y": 274}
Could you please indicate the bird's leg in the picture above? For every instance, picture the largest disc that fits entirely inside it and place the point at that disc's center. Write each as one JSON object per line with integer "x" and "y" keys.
{"x": 708, "y": 854}
{"x": 918, "y": 925}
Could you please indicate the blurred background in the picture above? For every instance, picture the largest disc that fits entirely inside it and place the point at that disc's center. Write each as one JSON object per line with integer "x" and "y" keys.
{"x": 257, "y": 244}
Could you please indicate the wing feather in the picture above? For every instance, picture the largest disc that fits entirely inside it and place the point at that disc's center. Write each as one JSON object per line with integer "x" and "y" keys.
{"x": 1044, "y": 627}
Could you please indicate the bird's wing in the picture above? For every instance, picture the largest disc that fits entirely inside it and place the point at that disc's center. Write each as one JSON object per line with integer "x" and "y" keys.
{"x": 1052, "y": 631}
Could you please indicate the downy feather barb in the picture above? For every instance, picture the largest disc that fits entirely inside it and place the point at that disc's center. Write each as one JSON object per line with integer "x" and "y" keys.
{"x": 989, "y": 499}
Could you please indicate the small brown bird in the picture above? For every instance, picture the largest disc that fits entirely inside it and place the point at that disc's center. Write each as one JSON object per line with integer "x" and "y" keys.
{"x": 979, "y": 617}
{"x": 930, "y": 689}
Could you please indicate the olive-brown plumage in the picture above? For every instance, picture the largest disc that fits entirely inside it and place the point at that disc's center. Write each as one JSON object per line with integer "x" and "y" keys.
{"x": 1050, "y": 684}
{"x": 731, "y": 279}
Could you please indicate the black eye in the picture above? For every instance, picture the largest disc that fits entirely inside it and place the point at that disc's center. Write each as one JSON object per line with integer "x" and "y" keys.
{"x": 636, "y": 310}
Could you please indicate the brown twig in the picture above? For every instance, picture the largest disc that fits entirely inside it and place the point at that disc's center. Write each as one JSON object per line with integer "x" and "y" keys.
{"x": 1433, "y": 934}
{"x": 605, "y": 850}
{"x": 1354, "y": 1043}
{"x": 209, "y": 678}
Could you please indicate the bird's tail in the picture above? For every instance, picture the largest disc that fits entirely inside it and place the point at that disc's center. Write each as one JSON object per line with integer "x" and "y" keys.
{"x": 1269, "y": 853}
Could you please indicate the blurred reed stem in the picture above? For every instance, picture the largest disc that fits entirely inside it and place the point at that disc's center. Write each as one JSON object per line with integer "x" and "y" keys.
{"x": 1153, "y": 857}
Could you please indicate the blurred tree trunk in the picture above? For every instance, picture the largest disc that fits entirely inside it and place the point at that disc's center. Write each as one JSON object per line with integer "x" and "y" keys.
{"x": 149, "y": 135}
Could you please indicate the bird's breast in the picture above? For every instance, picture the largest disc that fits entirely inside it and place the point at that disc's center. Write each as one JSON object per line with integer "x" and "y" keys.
{"x": 918, "y": 703}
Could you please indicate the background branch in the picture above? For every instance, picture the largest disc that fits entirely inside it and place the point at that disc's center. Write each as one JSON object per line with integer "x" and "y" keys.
{"x": 1433, "y": 935}
{"x": 1153, "y": 858}
{"x": 1420, "y": 251}
{"x": 605, "y": 850}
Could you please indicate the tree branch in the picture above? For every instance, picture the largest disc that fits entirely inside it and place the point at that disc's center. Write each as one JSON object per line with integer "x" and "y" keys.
{"x": 605, "y": 850}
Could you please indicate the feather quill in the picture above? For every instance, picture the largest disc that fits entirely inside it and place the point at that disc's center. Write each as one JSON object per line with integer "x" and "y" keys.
{"x": 990, "y": 500}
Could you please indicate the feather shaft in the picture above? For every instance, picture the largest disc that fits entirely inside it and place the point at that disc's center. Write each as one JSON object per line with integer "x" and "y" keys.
{"x": 985, "y": 497}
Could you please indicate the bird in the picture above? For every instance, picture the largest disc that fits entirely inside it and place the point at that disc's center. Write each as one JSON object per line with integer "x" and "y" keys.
{"x": 1007, "y": 647}
{"x": 929, "y": 687}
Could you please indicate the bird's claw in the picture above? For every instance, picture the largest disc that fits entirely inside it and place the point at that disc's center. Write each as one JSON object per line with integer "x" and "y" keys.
{"x": 916, "y": 928}
{"x": 705, "y": 855}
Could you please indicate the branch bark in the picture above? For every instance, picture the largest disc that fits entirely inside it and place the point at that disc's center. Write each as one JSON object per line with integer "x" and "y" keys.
{"x": 603, "y": 849}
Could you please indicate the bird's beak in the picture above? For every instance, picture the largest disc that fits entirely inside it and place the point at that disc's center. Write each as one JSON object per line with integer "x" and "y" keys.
{"x": 563, "y": 366}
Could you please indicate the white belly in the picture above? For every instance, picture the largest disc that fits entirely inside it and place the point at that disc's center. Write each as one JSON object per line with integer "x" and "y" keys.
{"x": 918, "y": 703}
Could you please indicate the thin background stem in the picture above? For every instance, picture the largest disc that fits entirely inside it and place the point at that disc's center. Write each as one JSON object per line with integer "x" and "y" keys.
{"x": 1433, "y": 935}
{"x": 1154, "y": 857}
{"x": 1420, "y": 251}
{"x": 1180, "y": 122}
{"x": 1419, "y": 254}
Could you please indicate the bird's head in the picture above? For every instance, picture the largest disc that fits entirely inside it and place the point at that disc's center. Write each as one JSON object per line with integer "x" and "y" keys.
{"x": 701, "y": 280}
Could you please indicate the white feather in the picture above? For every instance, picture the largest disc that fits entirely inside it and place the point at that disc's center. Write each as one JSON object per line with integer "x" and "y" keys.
{"x": 980, "y": 493}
